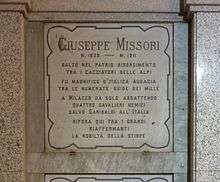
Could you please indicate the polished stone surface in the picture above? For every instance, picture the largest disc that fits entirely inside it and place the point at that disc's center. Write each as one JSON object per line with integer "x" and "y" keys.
{"x": 103, "y": 16}
{"x": 207, "y": 131}
{"x": 39, "y": 162}
{"x": 180, "y": 87}
{"x": 107, "y": 5}
{"x": 112, "y": 90}
{"x": 202, "y": 2}
{"x": 207, "y": 176}
{"x": 207, "y": 98}
{"x": 121, "y": 162}
{"x": 99, "y": 5}
{"x": 193, "y": 6}
{"x": 12, "y": 122}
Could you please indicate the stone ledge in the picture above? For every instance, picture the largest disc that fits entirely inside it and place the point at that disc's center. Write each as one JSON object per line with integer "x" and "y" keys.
{"x": 193, "y": 6}
{"x": 170, "y": 6}
{"x": 152, "y": 6}
{"x": 203, "y": 2}
{"x": 22, "y": 8}
{"x": 132, "y": 17}
{"x": 15, "y": 5}
{"x": 15, "y": 2}
{"x": 106, "y": 5}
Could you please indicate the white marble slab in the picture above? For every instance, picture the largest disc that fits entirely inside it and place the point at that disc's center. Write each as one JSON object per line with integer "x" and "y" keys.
{"x": 109, "y": 87}
{"x": 39, "y": 162}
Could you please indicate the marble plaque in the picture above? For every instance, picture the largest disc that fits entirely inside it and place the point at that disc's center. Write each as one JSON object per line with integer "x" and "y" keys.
{"x": 109, "y": 178}
{"x": 108, "y": 87}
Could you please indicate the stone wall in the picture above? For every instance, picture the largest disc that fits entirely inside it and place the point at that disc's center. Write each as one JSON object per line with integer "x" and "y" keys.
{"x": 204, "y": 24}
{"x": 12, "y": 96}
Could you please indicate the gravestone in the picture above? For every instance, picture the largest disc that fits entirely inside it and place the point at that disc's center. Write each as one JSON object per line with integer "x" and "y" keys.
{"x": 109, "y": 91}
{"x": 108, "y": 98}
{"x": 109, "y": 87}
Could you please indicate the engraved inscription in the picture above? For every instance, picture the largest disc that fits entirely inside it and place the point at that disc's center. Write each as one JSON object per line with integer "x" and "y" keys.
{"x": 108, "y": 178}
{"x": 109, "y": 87}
